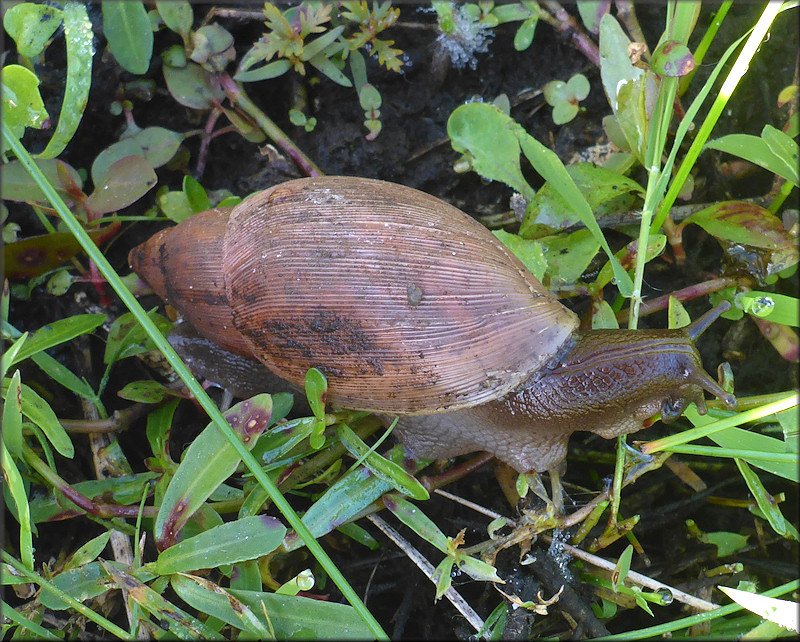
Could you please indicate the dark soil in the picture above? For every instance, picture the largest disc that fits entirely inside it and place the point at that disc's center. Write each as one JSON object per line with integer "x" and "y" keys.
{"x": 413, "y": 149}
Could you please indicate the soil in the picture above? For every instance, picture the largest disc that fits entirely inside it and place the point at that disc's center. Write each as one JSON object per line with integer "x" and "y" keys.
{"x": 413, "y": 149}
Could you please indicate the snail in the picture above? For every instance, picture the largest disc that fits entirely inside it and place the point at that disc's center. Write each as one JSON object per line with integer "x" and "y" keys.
{"x": 412, "y": 308}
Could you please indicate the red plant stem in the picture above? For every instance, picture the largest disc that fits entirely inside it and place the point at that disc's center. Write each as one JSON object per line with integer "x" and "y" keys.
{"x": 454, "y": 474}
{"x": 238, "y": 97}
{"x": 567, "y": 25}
{"x": 205, "y": 141}
{"x": 684, "y": 294}
{"x": 97, "y": 509}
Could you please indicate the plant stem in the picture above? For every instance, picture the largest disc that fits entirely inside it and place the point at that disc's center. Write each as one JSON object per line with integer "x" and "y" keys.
{"x": 239, "y": 98}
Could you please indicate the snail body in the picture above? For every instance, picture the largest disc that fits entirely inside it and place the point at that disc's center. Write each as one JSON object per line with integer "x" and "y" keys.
{"x": 410, "y": 307}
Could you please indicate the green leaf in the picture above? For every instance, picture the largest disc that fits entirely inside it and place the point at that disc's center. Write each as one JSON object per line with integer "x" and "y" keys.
{"x": 383, "y": 468}
{"x": 317, "y": 45}
{"x": 207, "y": 462}
{"x": 271, "y": 70}
{"x": 88, "y": 552}
{"x": 12, "y": 416}
{"x": 569, "y": 256}
{"x": 416, "y": 520}
{"x": 59, "y": 373}
{"x": 39, "y": 412}
{"x": 22, "y": 103}
{"x": 616, "y": 69}
{"x": 759, "y": 152}
{"x": 16, "y": 491}
{"x": 743, "y": 223}
{"x": 528, "y": 251}
{"x": 212, "y": 600}
{"x": 127, "y": 30}
{"x": 622, "y": 567}
{"x": 757, "y": 443}
{"x": 484, "y": 134}
{"x": 58, "y": 332}
{"x": 191, "y": 85}
{"x": 144, "y": 392}
{"x": 126, "y": 337}
{"x": 156, "y": 144}
{"x": 524, "y": 36}
{"x": 78, "y": 35}
{"x": 326, "y": 66}
{"x": 299, "y": 618}
{"x": 767, "y": 504}
{"x": 31, "y": 26}
{"x": 672, "y": 59}
{"x": 18, "y": 185}
{"x": 777, "y": 308}
{"x": 82, "y": 583}
{"x": 196, "y": 195}
{"x": 243, "y": 539}
{"x": 10, "y": 355}
{"x": 175, "y": 206}
{"x": 786, "y": 150}
{"x": 178, "y": 15}
{"x": 124, "y": 183}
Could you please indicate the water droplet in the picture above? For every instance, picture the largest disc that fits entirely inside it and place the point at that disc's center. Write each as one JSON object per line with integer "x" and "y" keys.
{"x": 762, "y": 306}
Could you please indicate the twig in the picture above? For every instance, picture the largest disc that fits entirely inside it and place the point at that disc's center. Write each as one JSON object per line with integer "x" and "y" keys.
{"x": 415, "y": 556}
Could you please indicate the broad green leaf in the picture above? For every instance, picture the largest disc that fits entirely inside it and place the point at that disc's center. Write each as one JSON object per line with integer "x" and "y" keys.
{"x": 144, "y": 391}
{"x": 726, "y": 543}
{"x": 280, "y": 440}
{"x": 82, "y": 583}
{"x": 178, "y": 15}
{"x": 22, "y": 103}
{"x": 568, "y": 256}
{"x": 196, "y": 195}
{"x": 484, "y": 134}
{"x": 39, "y": 412}
{"x": 31, "y": 26}
{"x": 208, "y": 598}
{"x": 156, "y": 144}
{"x": 785, "y": 150}
{"x": 88, "y": 552}
{"x": 191, "y": 85}
{"x": 79, "y": 36}
{"x": 59, "y": 373}
{"x": 127, "y": 338}
{"x": 316, "y": 386}
{"x": 58, "y": 332}
{"x": 591, "y": 12}
{"x": 180, "y": 624}
{"x": 383, "y": 468}
{"x": 616, "y": 69}
{"x": 757, "y": 151}
{"x": 677, "y": 315}
{"x": 12, "y": 416}
{"x": 175, "y": 206}
{"x": 603, "y": 316}
{"x": 209, "y": 461}
{"x": 127, "y": 30}
{"x": 244, "y": 539}
{"x": 18, "y": 184}
{"x": 743, "y": 223}
{"x": 300, "y": 618}
{"x": 672, "y": 59}
{"x": 527, "y": 251}
{"x": 777, "y": 308}
{"x": 124, "y": 183}
{"x": 524, "y": 36}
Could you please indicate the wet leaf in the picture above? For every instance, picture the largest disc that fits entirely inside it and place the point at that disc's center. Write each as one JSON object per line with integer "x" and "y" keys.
{"x": 156, "y": 144}
{"x": 743, "y": 223}
{"x": 22, "y": 103}
{"x": 672, "y": 59}
{"x": 31, "y": 26}
{"x": 130, "y": 38}
{"x": 82, "y": 583}
{"x": 242, "y": 539}
{"x": 777, "y": 308}
{"x": 568, "y": 256}
{"x": 209, "y": 598}
{"x": 78, "y": 35}
{"x": 12, "y": 416}
{"x": 88, "y": 552}
{"x": 383, "y": 468}
{"x": 527, "y": 251}
{"x": 57, "y": 332}
{"x": 549, "y": 212}
{"x": 144, "y": 392}
{"x": 124, "y": 183}
{"x": 178, "y": 15}
{"x": 18, "y": 185}
{"x": 39, "y": 412}
{"x": 209, "y": 460}
{"x": 192, "y": 86}
{"x": 294, "y": 617}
